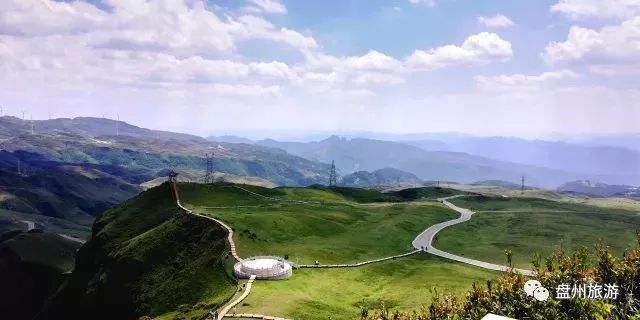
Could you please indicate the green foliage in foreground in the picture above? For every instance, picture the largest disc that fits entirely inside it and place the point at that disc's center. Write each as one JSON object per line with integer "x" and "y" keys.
{"x": 528, "y": 226}
{"x": 505, "y": 296}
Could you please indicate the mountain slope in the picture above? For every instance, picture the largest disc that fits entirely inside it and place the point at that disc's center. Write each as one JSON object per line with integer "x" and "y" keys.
{"x": 145, "y": 257}
{"x": 77, "y": 141}
{"x": 76, "y": 192}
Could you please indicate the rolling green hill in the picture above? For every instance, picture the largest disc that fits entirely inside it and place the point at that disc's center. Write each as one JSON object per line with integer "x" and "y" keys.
{"x": 529, "y": 225}
{"x": 145, "y": 257}
{"x": 336, "y": 225}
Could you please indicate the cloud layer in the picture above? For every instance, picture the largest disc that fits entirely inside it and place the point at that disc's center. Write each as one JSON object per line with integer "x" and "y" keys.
{"x": 178, "y": 63}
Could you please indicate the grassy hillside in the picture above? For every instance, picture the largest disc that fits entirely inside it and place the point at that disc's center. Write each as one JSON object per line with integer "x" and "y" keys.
{"x": 528, "y": 226}
{"x": 145, "y": 258}
{"x": 333, "y": 229}
{"x": 338, "y": 293}
{"x": 337, "y": 225}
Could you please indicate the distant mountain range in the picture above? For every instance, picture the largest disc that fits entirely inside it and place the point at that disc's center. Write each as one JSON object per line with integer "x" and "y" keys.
{"x": 614, "y": 161}
{"x": 598, "y": 189}
{"x": 366, "y": 154}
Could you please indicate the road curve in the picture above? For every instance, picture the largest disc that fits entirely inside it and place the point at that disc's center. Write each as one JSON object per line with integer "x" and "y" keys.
{"x": 424, "y": 241}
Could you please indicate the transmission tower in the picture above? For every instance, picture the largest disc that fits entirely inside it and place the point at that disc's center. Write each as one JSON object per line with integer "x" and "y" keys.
{"x": 333, "y": 178}
{"x": 522, "y": 187}
{"x": 208, "y": 176}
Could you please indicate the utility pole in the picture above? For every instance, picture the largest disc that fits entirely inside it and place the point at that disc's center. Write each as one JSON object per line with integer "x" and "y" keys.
{"x": 522, "y": 187}
{"x": 22, "y": 115}
{"x": 333, "y": 177}
{"x": 208, "y": 176}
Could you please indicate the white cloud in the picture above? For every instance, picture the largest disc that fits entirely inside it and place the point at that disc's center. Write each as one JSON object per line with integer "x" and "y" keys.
{"x": 480, "y": 48}
{"x": 430, "y": 3}
{"x": 497, "y": 21}
{"x": 609, "y": 48}
{"x": 578, "y": 9}
{"x": 519, "y": 82}
{"x": 185, "y": 27}
{"x": 268, "y": 6}
{"x": 252, "y": 27}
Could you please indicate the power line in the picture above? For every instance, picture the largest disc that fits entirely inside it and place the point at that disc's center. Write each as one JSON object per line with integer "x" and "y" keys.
{"x": 208, "y": 176}
{"x": 333, "y": 177}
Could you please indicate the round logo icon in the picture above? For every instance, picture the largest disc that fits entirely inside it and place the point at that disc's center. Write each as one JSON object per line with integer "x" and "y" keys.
{"x": 541, "y": 294}
{"x": 531, "y": 286}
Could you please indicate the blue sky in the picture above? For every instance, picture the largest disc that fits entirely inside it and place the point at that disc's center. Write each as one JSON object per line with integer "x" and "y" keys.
{"x": 530, "y": 68}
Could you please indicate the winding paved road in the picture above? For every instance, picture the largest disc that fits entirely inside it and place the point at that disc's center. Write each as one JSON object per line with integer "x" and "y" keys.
{"x": 424, "y": 241}
{"x": 245, "y": 294}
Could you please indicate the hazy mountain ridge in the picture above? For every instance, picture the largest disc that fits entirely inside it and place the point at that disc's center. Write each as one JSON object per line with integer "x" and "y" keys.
{"x": 381, "y": 177}
{"x": 590, "y": 159}
{"x": 598, "y": 189}
{"x": 366, "y": 154}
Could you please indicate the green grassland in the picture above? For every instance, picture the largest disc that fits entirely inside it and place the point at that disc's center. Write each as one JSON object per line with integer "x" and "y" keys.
{"x": 339, "y": 225}
{"x": 334, "y": 228}
{"x": 403, "y": 284}
{"x": 343, "y": 225}
{"x": 527, "y": 226}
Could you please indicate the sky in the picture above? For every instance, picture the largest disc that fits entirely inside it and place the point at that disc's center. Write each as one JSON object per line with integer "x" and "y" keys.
{"x": 527, "y": 68}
